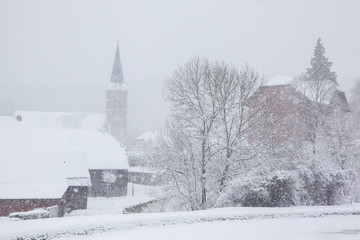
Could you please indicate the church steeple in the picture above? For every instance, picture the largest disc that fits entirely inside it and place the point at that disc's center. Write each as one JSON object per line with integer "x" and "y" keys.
{"x": 117, "y": 74}
{"x": 116, "y": 101}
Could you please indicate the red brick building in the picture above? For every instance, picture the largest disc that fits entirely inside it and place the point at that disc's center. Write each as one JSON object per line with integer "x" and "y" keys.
{"x": 284, "y": 114}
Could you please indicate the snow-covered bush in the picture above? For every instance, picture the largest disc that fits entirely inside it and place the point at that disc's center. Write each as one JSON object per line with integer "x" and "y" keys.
{"x": 249, "y": 191}
{"x": 324, "y": 186}
{"x": 137, "y": 158}
{"x": 304, "y": 186}
{"x": 282, "y": 189}
{"x": 277, "y": 189}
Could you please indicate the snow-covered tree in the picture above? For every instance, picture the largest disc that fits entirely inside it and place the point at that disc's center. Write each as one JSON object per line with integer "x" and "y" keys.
{"x": 236, "y": 124}
{"x": 318, "y": 84}
{"x": 355, "y": 108}
{"x": 331, "y": 152}
{"x": 355, "y": 132}
{"x": 204, "y": 145}
{"x": 355, "y": 97}
{"x": 191, "y": 92}
{"x": 320, "y": 79}
{"x": 177, "y": 155}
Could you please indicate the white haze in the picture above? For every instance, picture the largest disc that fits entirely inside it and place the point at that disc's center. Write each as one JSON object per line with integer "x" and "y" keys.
{"x": 58, "y": 55}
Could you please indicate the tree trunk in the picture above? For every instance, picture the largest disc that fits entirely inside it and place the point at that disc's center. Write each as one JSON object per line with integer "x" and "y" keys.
{"x": 203, "y": 172}
{"x": 226, "y": 170}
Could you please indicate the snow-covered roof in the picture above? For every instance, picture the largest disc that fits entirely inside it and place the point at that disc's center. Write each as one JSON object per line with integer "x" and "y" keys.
{"x": 62, "y": 120}
{"x": 102, "y": 151}
{"x": 76, "y": 169}
{"x": 32, "y": 173}
{"x": 148, "y": 136}
{"x": 279, "y": 80}
{"x": 40, "y": 173}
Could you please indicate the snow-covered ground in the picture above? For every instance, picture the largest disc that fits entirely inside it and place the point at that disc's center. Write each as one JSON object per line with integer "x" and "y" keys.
{"x": 329, "y": 228}
{"x": 337, "y": 222}
{"x": 104, "y": 219}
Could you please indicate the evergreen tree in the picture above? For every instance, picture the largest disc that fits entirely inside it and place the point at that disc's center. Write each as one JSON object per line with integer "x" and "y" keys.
{"x": 320, "y": 80}
{"x": 320, "y": 66}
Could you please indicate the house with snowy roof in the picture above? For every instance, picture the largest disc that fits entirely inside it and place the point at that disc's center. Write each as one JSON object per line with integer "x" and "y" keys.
{"x": 33, "y": 178}
{"x": 101, "y": 137}
{"x": 284, "y": 111}
{"x": 103, "y": 153}
{"x": 144, "y": 140}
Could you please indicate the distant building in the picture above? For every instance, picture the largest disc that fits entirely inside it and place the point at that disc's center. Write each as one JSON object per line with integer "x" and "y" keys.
{"x": 339, "y": 101}
{"x": 116, "y": 102}
{"x": 139, "y": 171}
{"x": 143, "y": 141}
{"x": 283, "y": 112}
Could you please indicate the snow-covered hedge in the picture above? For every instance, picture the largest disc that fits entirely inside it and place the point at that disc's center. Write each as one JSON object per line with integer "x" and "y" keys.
{"x": 325, "y": 186}
{"x": 261, "y": 190}
{"x": 136, "y": 158}
{"x": 309, "y": 186}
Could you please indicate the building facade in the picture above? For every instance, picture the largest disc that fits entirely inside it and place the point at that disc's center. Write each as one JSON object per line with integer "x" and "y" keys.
{"x": 287, "y": 116}
{"x": 282, "y": 116}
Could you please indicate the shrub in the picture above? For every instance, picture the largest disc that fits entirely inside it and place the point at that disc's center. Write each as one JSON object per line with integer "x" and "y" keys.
{"x": 275, "y": 190}
{"x": 282, "y": 189}
{"x": 325, "y": 186}
{"x": 304, "y": 186}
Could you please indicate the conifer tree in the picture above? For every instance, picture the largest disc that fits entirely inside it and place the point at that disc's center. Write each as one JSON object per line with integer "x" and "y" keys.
{"x": 320, "y": 66}
{"x": 321, "y": 80}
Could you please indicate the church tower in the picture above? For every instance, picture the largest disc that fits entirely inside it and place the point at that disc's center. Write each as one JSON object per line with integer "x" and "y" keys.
{"x": 116, "y": 101}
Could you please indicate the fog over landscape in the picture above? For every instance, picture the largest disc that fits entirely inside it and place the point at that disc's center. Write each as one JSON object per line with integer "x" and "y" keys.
{"x": 58, "y": 55}
{"x": 192, "y": 119}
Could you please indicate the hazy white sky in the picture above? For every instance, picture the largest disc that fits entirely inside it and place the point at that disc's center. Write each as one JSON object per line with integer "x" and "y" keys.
{"x": 59, "y": 53}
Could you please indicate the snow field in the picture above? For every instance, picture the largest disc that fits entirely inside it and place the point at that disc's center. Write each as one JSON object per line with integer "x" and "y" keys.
{"x": 327, "y": 228}
{"x": 73, "y": 227}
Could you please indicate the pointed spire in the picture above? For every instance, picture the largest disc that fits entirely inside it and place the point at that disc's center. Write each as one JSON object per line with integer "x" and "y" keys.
{"x": 117, "y": 74}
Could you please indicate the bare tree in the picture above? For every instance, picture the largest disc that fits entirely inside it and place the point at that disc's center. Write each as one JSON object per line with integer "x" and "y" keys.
{"x": 204, "y": 144}
{"x": 191, "y": 92}
{"x": 236, "y": 122}
{"x": 176, "y": 156}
